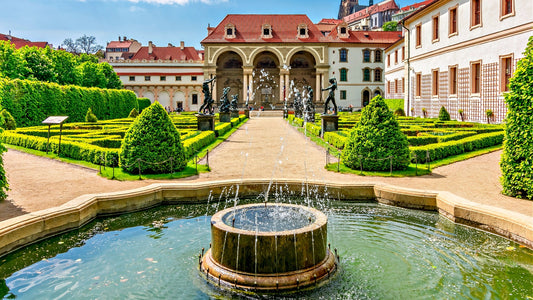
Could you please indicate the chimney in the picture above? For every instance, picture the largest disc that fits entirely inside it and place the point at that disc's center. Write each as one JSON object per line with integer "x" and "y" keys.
{"x": 170, "y": 45}
{"x": 182, "y": 45}
{"x": 119, "y": 38}
{"x": 124, "y": 39}
{"x": 150, "y": 47}
{"x": 210, "y": 30}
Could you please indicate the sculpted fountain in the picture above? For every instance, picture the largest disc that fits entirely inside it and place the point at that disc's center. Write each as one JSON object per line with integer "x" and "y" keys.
{"x": 268, "y": 247}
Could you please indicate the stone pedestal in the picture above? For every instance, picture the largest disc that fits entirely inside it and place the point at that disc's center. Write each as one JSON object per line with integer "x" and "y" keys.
{"x": 206, "y": 122}
{"x": 234, "y": 113}
{"x": 247, "y": 113}
{"x": 224, "y": 117}
{"x": 329, "y": 123}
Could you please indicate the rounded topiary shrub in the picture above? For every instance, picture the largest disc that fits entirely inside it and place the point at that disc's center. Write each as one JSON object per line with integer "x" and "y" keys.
{"x": 8, "y": 122}
{"x": 133, "y": 113}
{"x": 399, "y": 112}
{"x": 153, "y": 139}
{"x": 443, "y": 114}
{"x": 517, "y": 158}
{"x": 375, "y": 138}
{"x": 90, "y": 116}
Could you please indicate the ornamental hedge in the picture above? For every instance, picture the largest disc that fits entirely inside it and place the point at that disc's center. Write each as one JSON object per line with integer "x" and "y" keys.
{"x": 376, "y": 137}
{"x": 153, "y": 140}
{"x": 517, "y": 158}
{"x": 30, "y": 102}
{"x": 3, "y": 179}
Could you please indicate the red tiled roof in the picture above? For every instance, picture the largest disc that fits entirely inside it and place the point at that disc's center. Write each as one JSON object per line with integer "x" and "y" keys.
{"x": 117, "y": 44}
{"x": 416, "y": 5}
{"x": 167, "y": 53}
{"x": 248, "y": 29}
{"x": 366, "y": 37}
{"x": 366, "y": 12}
{"x": 19, "y": 43}
{"x": 329, "y": 22}
{"x": 326, "y": 27}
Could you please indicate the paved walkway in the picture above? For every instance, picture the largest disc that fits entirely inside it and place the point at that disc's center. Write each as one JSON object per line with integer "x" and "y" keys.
{"x": 262, "y": 148}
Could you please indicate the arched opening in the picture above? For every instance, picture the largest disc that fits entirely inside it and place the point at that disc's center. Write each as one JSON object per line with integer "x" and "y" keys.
{"x": 365, "y": 98}
{"x": 266, "y": 80}
{"x": 164, "y": 99}
{"x": 377, "y": 92}
{"x": 302, "y": 74}
{"x": 229, "y": 73}
{"x": 149, "y": 95}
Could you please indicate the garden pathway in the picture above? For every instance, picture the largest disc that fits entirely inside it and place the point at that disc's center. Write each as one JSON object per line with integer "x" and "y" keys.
{"x": 262, "y": 148}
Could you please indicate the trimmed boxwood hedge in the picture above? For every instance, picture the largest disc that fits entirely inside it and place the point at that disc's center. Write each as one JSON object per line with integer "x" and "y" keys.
{"x": 74, "y": 150}
{"x": 335, "y": 139}
{"x": 143, "y": 103}
{"x": 313, "y": 129}
{"x": 222, "y": 128}
{"x": 443, "y": 150}
{"x": 30, "y": 102}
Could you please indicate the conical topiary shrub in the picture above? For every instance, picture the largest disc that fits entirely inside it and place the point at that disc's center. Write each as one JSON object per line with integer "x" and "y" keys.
{"x": 443, "y": 114}
{"x": 8, "y": 121}
{"x": 90, "y": 116}
{"x": 133, "y": 113}
{"x": 153, "y": 139}
{"x": 375, "y": 138}
{"x": 517, "y": 162}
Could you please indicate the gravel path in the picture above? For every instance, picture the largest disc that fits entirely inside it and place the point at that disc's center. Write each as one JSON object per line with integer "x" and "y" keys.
{"x": 262, "y": 148}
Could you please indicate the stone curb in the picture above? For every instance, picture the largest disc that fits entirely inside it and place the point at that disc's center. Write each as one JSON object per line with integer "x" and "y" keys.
{"x": 20, "y": 231}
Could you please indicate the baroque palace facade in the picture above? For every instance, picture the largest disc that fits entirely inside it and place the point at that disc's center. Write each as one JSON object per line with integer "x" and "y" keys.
{"x": 267, "y": 58}
{"x": 459, "y": 54}
{"x": 171, "y": 75}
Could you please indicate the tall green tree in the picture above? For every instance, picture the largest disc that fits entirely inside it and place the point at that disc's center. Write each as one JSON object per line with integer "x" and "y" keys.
{"x": 38, "y": 63}
{"x": 517, "y": 157}
{"x": 390, "y": 26}
{"x": 65, "y": 67}
{"x": 112, "y": 79}
{"x": 91, "y": 75}
{"x": 11, "y": 64}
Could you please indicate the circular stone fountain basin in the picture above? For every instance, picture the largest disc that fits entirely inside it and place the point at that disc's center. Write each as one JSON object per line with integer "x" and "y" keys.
{"x": 268, "y": 247}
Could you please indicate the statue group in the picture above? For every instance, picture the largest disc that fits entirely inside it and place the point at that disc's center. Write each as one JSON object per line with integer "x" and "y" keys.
{"x": 207, "y": 106}
{"x": 225, "y": 104}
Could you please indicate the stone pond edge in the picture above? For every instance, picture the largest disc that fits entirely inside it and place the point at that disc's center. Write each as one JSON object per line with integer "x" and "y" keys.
{"x": 23, "y": 230}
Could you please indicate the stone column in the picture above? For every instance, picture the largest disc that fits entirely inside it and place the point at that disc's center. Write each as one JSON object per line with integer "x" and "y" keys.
{"x": 287, "y": 85}
{"x": 318, "y": 87}
{"x": 251, "y": 86}
{"x": 244, "y": 87}
{"x": 186, "y": 104}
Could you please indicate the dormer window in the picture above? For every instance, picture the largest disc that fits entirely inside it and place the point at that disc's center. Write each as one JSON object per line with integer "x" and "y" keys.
{"x": 267, "y": 31}
{"x": 302, "y": 31}
{"x": 230, "y": 31}
{"x": 343, "y": 30}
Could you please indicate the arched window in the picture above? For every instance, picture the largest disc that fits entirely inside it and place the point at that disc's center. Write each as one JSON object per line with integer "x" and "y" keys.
{"x": 366, "y": 74}
{"x": 366, "y": 55}
{"x": 377, "y": 56}
{"x": 344, "y": 75}
{"x": 343, "y": 55}
{"x": 377, "y": 75}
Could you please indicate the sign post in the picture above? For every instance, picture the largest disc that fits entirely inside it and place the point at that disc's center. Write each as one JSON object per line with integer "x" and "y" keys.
{"x": 55, "y": 120}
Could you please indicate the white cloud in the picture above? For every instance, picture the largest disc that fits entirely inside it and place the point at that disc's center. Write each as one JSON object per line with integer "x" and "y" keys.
{"x": 179, "y": 2}
{"x": 136, "y": 9}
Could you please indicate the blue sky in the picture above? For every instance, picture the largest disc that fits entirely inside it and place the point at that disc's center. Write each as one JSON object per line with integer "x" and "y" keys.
{"x": 160, "y": 21}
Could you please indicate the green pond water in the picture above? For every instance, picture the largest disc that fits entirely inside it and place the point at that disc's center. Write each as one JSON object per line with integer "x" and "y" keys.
{"x": 385, "y": 253}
